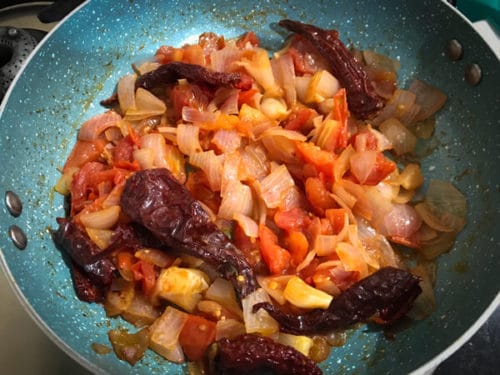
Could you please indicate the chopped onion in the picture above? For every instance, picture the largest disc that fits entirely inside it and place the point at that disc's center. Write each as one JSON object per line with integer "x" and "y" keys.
{"x": 101, "y": 237}
{"x": 102, "y": 219}
{"x": 380, "y": 61}
{"x": 433, "y": 248}
{"x": 352, "y": 258}
{"x": 165, "y": 334}
{"x": 401, "y": 106}
{"x": 258, "y": 65}
{"x": 402, "y": 221}
{"x": 284, "y": 72}
{"x": 188, "y": 139}
{"x": 247, "y": 224}
{"x": 154, "y": 256}
{"x": 129, "y": 347}
{"x": 411, "y": 177}
{"x": 227, "y": 140}
{"x": 274, "y": 108}
{"x": 119, "y": 296}
{"x": 222, "y": 291}
{"x": 140, "y": 312}
{"x": 433, "y": 221}
{"x": 229, "y": 328}
{"x": 254, "y": 159}
{"x": 274, "y": 187}
{"x": 341, "y": 165}
{"x": 236, "y": 198}
{"x": 126, "y": 92}
{"x": 147, "y": 105}
{"x": 402, "y": 140}
{"x": 301, "y": 87}
{"x": 211, "y": 164}
{"x": 197, "y": 116}
{"x": 260, "y": 321}
{"x": 221, "y": 60}
{"x": 323, "y": 85}
{"x": 302, "y": 295}
{"x": 274, "y": 286}
{"x": 425, "y": 303}
{"x": 93, "y": 127}
{"x": 447, "y": 202}
{"x": 182, "y": 286}
{"x": 280, "y": 143}
{"x": 429, "y": 98}
{"x": 145, "y": 157}
{"x": 156, "y": 143}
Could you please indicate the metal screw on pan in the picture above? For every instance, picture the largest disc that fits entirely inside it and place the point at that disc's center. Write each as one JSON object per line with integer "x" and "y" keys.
{"x": 473, "y": 74}
{"x": 454, "y": 50}
{"x": 18, "y": 237}
{"x": 13, "y": 203}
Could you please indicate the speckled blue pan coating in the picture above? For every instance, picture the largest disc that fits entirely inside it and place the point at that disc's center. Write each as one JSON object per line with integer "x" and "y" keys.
{"x": 79, "y": 65}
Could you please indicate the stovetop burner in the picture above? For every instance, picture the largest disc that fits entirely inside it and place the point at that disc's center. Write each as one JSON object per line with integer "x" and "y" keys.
{"x": 23, "y": 24}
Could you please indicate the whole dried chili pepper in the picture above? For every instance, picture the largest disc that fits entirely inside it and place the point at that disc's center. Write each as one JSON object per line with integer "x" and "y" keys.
{"x": 361, "y": 96}
{"x": 157, "y": 201}
{"x": 91, "y": 271}
{"x": 252, "y": 354}
{"x": 173, "y": 71}
{"x": 389, "y": 292}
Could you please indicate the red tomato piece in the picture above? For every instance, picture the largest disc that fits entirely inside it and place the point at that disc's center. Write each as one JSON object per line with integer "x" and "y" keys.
{"x": 276, "y": 257}
{"x": 293, "y": 219}
{"x": 145, "y": 273}
{"x": 321, "y": 159}
{"x": 196, "y": 336}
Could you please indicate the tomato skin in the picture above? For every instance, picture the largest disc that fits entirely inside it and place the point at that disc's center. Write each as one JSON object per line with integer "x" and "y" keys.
{"x": 318, "y": 195}
{"x": 248, "y": 37}
{"x": 276, "y": 257}
{"x": 145, "y": 273}
{"x": 293, "y": 219}
{"x": 322, "y": 160}
{"x": 298, "y": 245}
{"x": 336, "y": 216}
{"x": 196, "y": 336}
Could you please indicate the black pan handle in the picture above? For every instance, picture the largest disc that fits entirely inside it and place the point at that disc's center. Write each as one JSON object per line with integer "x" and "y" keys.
{"x": 52, "y": 13}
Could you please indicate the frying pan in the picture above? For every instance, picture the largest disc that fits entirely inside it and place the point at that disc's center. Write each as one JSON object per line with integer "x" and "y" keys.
{"x": 79, "y": 64}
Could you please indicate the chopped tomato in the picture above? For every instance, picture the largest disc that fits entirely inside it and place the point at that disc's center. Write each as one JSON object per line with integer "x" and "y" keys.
{"x": 246, "y": 97}
{"x": 248, "y": 37}
{"x": 336, "y": 216}
{"x": 84, "y": 152}
{"x": 124, "y": 262}
{"x": 298, "y": 246}
{"x": 365, "y": 140}
{"x": 293, "y": 219}
{"x": 276, "y": 257}
{"x": 299, "y": 118}
{"x": 249, "y": 247}
{"x": 193, "y": 54}
{"x": 188, "y": 95}
{"x": 318, "y": 195}
{"x": 321, "y": 159}
{"x": 197, "y": 184}
{"x": 81, "y": 188}
{"x": 145, "y": 273}
{"x": 166, "y": 54}
{"x": 299, "y": 62}
{"x": 124, "y": 150}
{"x": 196, "y": 336}
{"x": 371, "y": 167}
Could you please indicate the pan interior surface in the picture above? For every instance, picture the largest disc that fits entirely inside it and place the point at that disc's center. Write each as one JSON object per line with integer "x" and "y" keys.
{"x": 80, "y": 64}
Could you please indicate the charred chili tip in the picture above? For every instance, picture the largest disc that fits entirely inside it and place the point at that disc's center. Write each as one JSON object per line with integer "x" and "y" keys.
{"x": 13, "y": 203}
{"x": 18, "y": 237}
